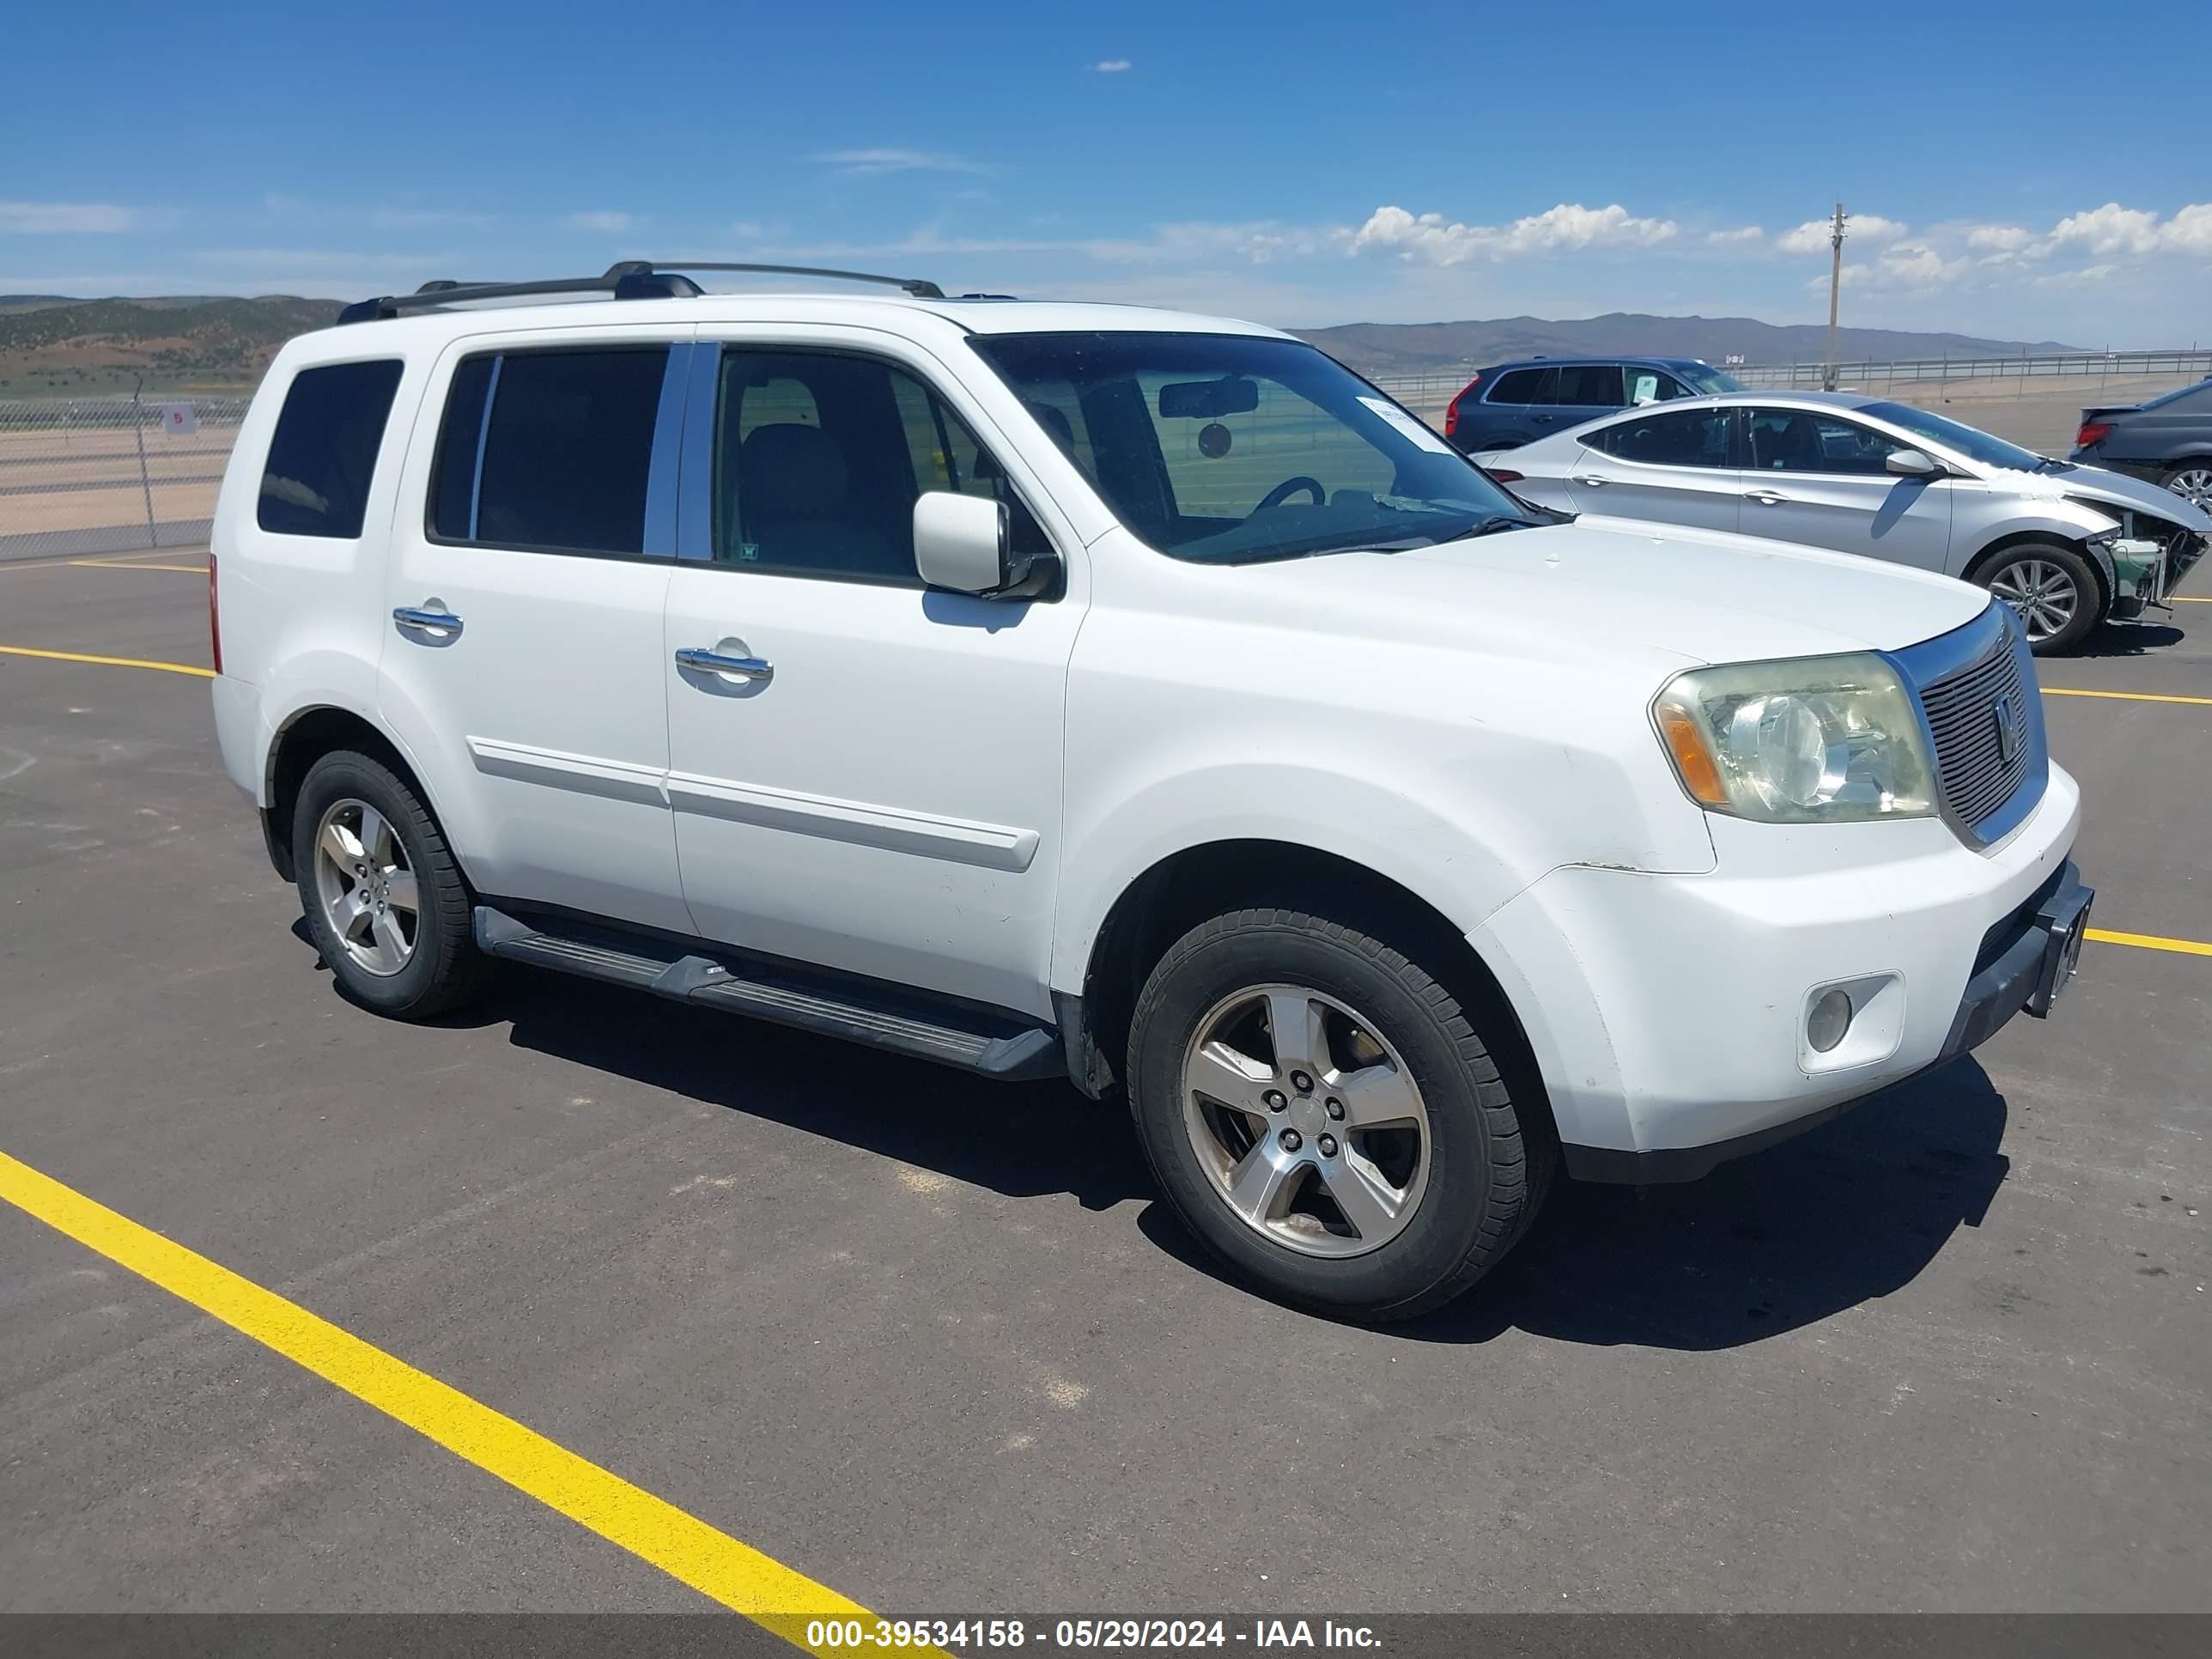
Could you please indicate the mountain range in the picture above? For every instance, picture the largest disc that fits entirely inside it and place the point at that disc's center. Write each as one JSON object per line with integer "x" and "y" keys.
{"x": 52, "y": 345}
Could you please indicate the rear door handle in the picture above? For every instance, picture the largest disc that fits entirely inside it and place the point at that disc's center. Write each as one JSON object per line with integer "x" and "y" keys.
{"x": 415, "y": 618}
{"x": 1765, "y": 497}
{"x": 701, "y": 661}
{"x": 1591, "y": 479}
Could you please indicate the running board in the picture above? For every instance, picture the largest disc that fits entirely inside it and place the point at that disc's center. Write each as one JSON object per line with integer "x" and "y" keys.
{"x": 1018, "y": 1057}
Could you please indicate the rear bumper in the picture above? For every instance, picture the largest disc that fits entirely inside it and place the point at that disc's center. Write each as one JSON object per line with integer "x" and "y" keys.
{"x": 2029, "y": 958}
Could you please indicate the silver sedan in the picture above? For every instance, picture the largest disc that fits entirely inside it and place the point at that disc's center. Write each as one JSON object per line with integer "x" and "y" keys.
{"x": 2067, "y": 546}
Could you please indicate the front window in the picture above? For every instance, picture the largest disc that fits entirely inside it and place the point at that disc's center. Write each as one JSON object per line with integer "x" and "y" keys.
{"x": 1797, "y": 441}
{"x": 1707, "y": 381}
{"x": 1974, "y": 445}
{"x": 1230, "y": 449}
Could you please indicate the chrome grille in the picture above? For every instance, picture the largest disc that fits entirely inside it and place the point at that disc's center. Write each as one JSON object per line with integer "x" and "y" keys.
{"x": 1975, "y": 773}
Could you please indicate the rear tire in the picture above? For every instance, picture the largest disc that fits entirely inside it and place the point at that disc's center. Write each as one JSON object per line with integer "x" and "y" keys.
{"x": 2053, "y": 589}
{"x": 385, "y": 902}
{"x": 1370, "y": 1166}
{"x": 2191, "y": 480}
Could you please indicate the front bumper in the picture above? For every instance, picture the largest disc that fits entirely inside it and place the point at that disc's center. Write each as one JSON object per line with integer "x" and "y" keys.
{"x": 1669, "y": 1016}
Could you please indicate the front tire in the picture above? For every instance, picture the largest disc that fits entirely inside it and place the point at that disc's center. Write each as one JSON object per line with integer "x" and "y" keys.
{"x": 2051, "y": 589}
{"x": 1326, "y": 1117}
{"x": 384, "y": 900}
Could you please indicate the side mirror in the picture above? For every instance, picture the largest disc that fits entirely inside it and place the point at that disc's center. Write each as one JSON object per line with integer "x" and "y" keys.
{"x": 961, "y": 544}
{"x": 1915, "y": 463}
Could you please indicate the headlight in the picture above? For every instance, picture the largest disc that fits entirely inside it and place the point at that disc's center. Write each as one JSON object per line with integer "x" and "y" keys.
{"x": 1816, "y": 741}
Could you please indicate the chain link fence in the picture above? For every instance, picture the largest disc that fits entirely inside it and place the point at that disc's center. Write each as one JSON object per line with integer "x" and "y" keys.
{"x": 112, "y": 475}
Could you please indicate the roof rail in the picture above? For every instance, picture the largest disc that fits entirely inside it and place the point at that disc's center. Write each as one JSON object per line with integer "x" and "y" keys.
{"x": 628, "y": 279}
{"x": 918, "y": 287}
{"x": 623, "y": 282}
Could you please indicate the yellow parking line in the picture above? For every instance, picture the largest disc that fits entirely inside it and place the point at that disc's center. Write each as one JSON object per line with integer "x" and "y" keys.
{"x": 2189, "y": 599}
{"x": 122, "y": 564}
{"x": 107, "y": 662}
{"x": 2187, "y": 947}
{"x": 682, "y": 1545}
{"x": 2123, "y": 697}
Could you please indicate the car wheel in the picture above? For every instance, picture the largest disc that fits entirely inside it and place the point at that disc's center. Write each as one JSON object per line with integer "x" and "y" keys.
{"x": 385, "y": 902}
{"x": 1326, "y": 1117}
{"x": 2192, "y": 482}
{"x": 2051, "y": 589}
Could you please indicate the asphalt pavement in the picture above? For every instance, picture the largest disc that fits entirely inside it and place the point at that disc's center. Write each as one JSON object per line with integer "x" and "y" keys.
{"x": 938, "y": 1344}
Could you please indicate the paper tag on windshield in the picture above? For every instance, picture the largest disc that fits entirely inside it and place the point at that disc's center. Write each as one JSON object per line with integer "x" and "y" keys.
{"x": 1408, "y": 425}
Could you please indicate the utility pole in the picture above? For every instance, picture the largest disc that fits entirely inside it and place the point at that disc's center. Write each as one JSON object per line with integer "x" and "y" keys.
{"x": 1835, "y": 291}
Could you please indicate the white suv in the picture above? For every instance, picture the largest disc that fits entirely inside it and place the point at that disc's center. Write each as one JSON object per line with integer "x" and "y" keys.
{"x": 1052, "y": 689}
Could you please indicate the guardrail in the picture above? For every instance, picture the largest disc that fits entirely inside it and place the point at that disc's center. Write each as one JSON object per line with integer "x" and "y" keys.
{"x": 110, "y": 474}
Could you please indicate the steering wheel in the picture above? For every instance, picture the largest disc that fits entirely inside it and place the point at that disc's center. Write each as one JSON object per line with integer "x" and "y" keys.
{"x": 1290, "y": 487}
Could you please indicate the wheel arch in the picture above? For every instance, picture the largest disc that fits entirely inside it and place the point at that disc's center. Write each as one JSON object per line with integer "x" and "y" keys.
{"x": 1208, "y": 878}
{"x": 2100, "y": 562}
{"x": 304, "y": 737}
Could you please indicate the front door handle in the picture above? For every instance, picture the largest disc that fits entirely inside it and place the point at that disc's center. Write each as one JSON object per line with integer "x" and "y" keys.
{"x": 1765, "y": 497}
{"x": 1591, "y": 479}
{"x": 415, "y": 618}
{"x": 699, "y": 659}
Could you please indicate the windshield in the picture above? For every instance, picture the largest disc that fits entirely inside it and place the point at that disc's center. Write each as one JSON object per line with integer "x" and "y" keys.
{"x": 1973, "y": 444}
{"x": 1229, "y": 449}
{"x": 1711, "y": 381}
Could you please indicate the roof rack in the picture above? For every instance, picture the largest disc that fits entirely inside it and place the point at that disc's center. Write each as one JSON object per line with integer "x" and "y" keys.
{"x": 628, "y": 279}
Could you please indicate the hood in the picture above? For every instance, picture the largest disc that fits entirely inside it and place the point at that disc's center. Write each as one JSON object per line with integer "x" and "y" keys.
{"x": 2095, "y": 483}
{"x": 1621, "y": 592}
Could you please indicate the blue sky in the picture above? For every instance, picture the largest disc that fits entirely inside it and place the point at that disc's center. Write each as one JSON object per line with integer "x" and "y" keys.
{"x": 2015, "y": 169}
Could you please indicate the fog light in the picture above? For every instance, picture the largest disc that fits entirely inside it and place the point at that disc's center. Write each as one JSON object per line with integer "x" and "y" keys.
{"x": 1830, "y": 1018}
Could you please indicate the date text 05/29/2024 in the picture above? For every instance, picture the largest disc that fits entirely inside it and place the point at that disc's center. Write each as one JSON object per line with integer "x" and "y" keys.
{"x": 958, "y": 1634}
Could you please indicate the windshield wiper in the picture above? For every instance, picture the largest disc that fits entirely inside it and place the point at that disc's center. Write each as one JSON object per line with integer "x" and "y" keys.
{"x": 2053, "y": 464}
{"x": 1490, "y": 526}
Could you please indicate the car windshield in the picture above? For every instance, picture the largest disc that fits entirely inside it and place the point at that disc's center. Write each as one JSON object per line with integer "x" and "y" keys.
{"x": 1973, "y": 444}
{"x": 1232, "y": 449}
{"x": 1711, "y": 381}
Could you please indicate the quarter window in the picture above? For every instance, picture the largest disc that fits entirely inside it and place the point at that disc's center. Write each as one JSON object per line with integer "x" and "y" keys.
{"x": 1525, "y": 385}
{"x": 322, "y": 457}
{"x": 549, "y": 449}
{"x": 1795, "y": 440}
{"x": 1687, "y": 437}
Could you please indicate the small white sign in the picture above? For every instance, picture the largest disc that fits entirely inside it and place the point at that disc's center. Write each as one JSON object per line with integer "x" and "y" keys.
{"x": 180, "y": 417}
{"x": 1408, "y": 425}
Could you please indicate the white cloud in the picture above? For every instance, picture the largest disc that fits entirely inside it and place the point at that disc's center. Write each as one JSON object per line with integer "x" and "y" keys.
{"x": 2190, "y": 230}
{"x": 1865, "y": 229}
{"x": 1743, "y": 237}
{"x": 2110, "y": 228}
{"x": 65, "y": 218}
{"x": 606, "y": 224}
{"x": 1111, "y": 66}
{"x": 1429, "y": 239}
{"x": 1998, "y": 239}
{"x": 869, "y": 163}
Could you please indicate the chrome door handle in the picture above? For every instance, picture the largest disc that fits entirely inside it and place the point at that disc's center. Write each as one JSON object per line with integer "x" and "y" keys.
{"x": 408, "y": 615}
{"x": 1593, "y": 481}
{"x": 1765, "y": 497}
{"x": 703, "y": 661}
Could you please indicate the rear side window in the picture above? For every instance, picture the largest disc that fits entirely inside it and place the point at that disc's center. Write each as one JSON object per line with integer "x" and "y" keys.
{"x": 323, "y": 456}
{"x": 1688, "y": 437}
{"x": 549, "y": 449}
{"x": 1589, "y": 385}
{"x": 1524, "y": 386}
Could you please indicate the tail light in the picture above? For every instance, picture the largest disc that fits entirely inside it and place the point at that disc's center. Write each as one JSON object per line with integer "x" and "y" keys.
{"x": 2092, "y": 431}
{"x": 214, "y": 619}
{"x": 1451, "y": 408}
{"x": 1504, "y": 475}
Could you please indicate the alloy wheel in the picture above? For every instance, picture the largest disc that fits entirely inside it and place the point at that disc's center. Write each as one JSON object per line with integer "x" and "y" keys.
{"x": 367, "y": 888}
{"x": 2042, "y": 592}
{"x": 1306, "y": 1121}
{"x": 2193, "y": 486}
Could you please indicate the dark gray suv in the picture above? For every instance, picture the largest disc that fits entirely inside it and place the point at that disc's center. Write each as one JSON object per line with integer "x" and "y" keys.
{"x": 2168, "y": 440}
{"x": 1515, "y": 404}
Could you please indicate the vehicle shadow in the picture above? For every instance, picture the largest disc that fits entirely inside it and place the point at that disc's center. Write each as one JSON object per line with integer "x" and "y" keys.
{"x": 1022, "y": 1140}
{"x": 1848, "y": 1212}
{"x": 1852, "y": 1210}
{"x": 2131, "y": 639}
